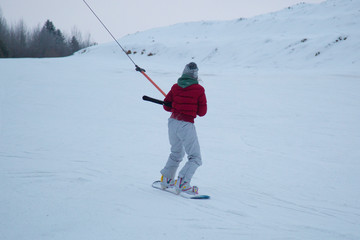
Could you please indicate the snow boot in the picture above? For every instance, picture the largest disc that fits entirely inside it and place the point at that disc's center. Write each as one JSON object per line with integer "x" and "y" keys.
{"x": 167, "y": 182}
{"x": 182, "y": 186}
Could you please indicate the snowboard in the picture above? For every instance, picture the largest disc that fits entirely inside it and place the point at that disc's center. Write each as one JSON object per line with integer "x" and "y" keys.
{"x": 157, "y": 185}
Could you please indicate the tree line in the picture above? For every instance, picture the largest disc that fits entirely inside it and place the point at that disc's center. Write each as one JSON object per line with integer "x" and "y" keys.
{"x": 47, "y": 41}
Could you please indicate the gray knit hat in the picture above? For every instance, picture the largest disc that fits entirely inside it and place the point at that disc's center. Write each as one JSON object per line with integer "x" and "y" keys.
{"x": 191, "y": 70}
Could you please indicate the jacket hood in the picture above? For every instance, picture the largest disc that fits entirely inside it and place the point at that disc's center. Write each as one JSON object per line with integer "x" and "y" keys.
{"x": 186, "y": 80}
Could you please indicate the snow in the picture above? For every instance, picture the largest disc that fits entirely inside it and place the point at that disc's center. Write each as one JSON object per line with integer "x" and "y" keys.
{"x": 79, "y": 148}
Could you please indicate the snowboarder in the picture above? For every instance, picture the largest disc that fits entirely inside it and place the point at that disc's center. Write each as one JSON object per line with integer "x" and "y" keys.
{"x": 187, "y": 100}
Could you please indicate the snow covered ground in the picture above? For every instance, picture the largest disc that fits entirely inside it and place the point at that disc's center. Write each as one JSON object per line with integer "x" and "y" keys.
{"x": 79, "y": 149}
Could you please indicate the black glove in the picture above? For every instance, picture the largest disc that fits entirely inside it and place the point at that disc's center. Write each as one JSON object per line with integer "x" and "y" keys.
{"x": 139, "y": 69}
{"x": 168, "y": 104}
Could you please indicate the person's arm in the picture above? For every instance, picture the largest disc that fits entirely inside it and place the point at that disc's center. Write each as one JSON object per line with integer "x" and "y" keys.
{"x": 168, "y": 99}
{"x": 202, "y": 105}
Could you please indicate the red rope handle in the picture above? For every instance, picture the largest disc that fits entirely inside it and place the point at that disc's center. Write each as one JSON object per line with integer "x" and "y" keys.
{"x": 153, "y": 83}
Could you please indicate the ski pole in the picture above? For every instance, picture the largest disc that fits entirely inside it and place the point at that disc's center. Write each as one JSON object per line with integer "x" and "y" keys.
{"x": 137, "y": 67}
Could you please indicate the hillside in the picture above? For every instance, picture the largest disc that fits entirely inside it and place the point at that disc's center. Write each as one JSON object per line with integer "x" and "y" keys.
{"x": 322, "y": 35}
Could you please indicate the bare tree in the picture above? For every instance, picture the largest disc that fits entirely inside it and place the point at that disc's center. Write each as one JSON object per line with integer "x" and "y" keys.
{"x": 83, "y": 43}
{"x": 18, "y": 40}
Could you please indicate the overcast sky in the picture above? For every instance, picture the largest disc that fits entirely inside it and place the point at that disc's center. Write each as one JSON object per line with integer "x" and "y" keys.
{"x": 126, "y": 17}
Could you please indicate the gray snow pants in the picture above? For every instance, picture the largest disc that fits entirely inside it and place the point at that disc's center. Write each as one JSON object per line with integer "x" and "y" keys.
{"x": 183, "y": 138}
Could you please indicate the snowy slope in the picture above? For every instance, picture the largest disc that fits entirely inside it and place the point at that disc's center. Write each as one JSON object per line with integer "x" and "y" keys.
{"x": 322, "y": 35}
{"x": 79, "y": 149}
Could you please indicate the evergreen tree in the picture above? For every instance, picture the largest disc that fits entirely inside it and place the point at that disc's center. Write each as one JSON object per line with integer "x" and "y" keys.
{"x": 49, "y": 27}
{"x": 4, "y": 53}
{"x": 74, "y": 44}
{"x": 45, "y": 41}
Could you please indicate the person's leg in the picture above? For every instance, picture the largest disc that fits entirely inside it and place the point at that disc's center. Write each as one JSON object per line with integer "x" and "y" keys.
{"x": 191, "y": 144}
{"x": 177, "y": 151}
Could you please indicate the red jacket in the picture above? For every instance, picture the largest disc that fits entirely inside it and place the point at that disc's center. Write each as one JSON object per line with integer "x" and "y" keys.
{"x": 187, "y": 102}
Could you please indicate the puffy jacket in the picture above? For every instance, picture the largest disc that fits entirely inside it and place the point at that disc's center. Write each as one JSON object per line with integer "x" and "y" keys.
{"x": 188, "y": 100}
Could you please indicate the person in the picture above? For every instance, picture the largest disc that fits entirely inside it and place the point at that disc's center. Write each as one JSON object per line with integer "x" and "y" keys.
{"x": 185, "y": 101}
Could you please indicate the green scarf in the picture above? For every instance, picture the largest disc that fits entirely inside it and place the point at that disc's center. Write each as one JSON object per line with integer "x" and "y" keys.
{"x": 185, "y": 81}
